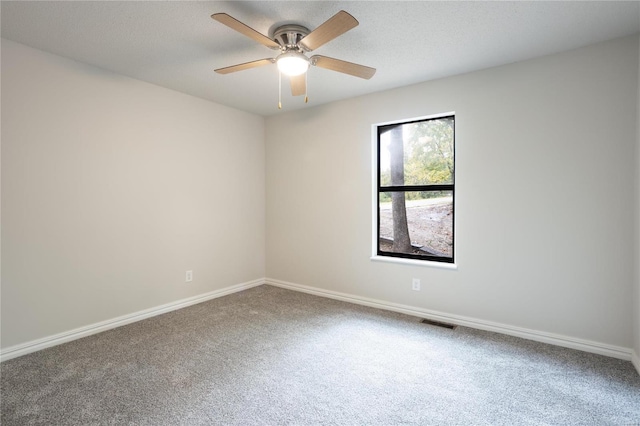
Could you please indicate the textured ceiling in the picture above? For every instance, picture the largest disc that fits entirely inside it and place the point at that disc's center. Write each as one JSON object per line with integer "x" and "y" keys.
{"x": 177, "y": 45}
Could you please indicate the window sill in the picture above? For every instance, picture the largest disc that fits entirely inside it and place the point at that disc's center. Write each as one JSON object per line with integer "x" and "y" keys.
{"x": 414, "y": 262}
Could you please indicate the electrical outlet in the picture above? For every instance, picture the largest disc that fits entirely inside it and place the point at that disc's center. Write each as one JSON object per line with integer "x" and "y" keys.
{"x": 415, "y": 284}
{"x": 188, "y": 277}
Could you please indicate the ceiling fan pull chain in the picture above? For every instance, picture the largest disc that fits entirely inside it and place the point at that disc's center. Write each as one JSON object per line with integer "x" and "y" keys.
{"x": 306, "y": 88}
{"x": 279, "y": 90}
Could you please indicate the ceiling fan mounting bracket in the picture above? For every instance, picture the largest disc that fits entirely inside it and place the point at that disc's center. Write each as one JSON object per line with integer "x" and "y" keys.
{"x": 288, "y": 36}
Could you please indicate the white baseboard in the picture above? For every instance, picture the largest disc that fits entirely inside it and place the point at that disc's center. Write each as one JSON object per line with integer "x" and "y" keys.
{"x": 544, "y": 337}
{"x": 67, "y": 336}
{"x": 635, "y": 360}
{"x": 538, "y": 336}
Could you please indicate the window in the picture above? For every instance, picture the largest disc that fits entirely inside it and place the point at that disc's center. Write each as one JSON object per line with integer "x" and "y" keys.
{"x": 415, "y": 189}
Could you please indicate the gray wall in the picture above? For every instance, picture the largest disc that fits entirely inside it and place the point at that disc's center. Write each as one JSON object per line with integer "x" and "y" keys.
{"x": 112, "y": 188}
{"x": 545, "y": 195}
{"x": 636, "y": 299}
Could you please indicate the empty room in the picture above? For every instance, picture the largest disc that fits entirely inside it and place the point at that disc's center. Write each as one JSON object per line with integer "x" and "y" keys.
{"x": 320, "y": 213}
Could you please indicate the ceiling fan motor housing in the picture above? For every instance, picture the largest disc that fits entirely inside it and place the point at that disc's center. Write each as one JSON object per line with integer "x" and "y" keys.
{"x": 288, "y": 36}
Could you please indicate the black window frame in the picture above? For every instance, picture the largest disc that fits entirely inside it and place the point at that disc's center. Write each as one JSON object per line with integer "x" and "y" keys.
{"x": 414, "y": 188}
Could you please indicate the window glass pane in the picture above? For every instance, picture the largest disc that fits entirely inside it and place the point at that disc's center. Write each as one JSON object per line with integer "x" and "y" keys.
{"x": 418, "y": 153}
{"x": 427, "y": 218}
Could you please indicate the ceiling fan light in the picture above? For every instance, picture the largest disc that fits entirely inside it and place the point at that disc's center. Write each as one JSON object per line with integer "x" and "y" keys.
{"x": 292, "y": 63}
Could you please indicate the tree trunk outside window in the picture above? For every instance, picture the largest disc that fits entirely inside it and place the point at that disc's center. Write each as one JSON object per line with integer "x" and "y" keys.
{"x": 401, "y": 240}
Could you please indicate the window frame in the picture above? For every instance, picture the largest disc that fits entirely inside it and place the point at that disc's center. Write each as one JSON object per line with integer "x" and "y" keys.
{"x": 410, "y": 258}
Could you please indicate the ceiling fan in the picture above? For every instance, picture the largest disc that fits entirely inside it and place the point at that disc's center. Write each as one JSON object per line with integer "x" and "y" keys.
{"x": 293, "y": 41}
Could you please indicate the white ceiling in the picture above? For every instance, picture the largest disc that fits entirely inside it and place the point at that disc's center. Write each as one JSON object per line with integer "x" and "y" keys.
{"x": 175, "y": 44}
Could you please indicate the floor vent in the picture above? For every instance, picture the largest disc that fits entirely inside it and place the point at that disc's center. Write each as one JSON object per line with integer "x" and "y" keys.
{"x": 439, "y": 324}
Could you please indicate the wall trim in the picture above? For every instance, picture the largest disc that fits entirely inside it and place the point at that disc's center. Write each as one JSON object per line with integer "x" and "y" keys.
{"x": 525, "y": 333}
{"x": 67, "y": 336}
{"x": 635, "y": 360}
{"x": 539, "y": 336}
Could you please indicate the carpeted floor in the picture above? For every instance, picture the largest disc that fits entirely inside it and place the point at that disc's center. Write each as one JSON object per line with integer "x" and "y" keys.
{"x": 268, "y": 356}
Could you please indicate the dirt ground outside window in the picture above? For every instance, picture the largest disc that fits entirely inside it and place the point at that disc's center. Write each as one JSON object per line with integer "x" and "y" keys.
{"x": 430, "y": 225}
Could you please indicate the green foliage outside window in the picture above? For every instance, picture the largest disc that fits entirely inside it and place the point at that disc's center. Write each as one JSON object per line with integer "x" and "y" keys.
{"x": 428, "y": 157}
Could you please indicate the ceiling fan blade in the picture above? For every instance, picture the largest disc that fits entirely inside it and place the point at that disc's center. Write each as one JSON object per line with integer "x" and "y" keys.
{"x": 233, "y": 23}
{"x": 338, "y": 24}
{"x": 299, "y": 84}
{"x": 342, "y": 66}
{"x": 245, "y": 66}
